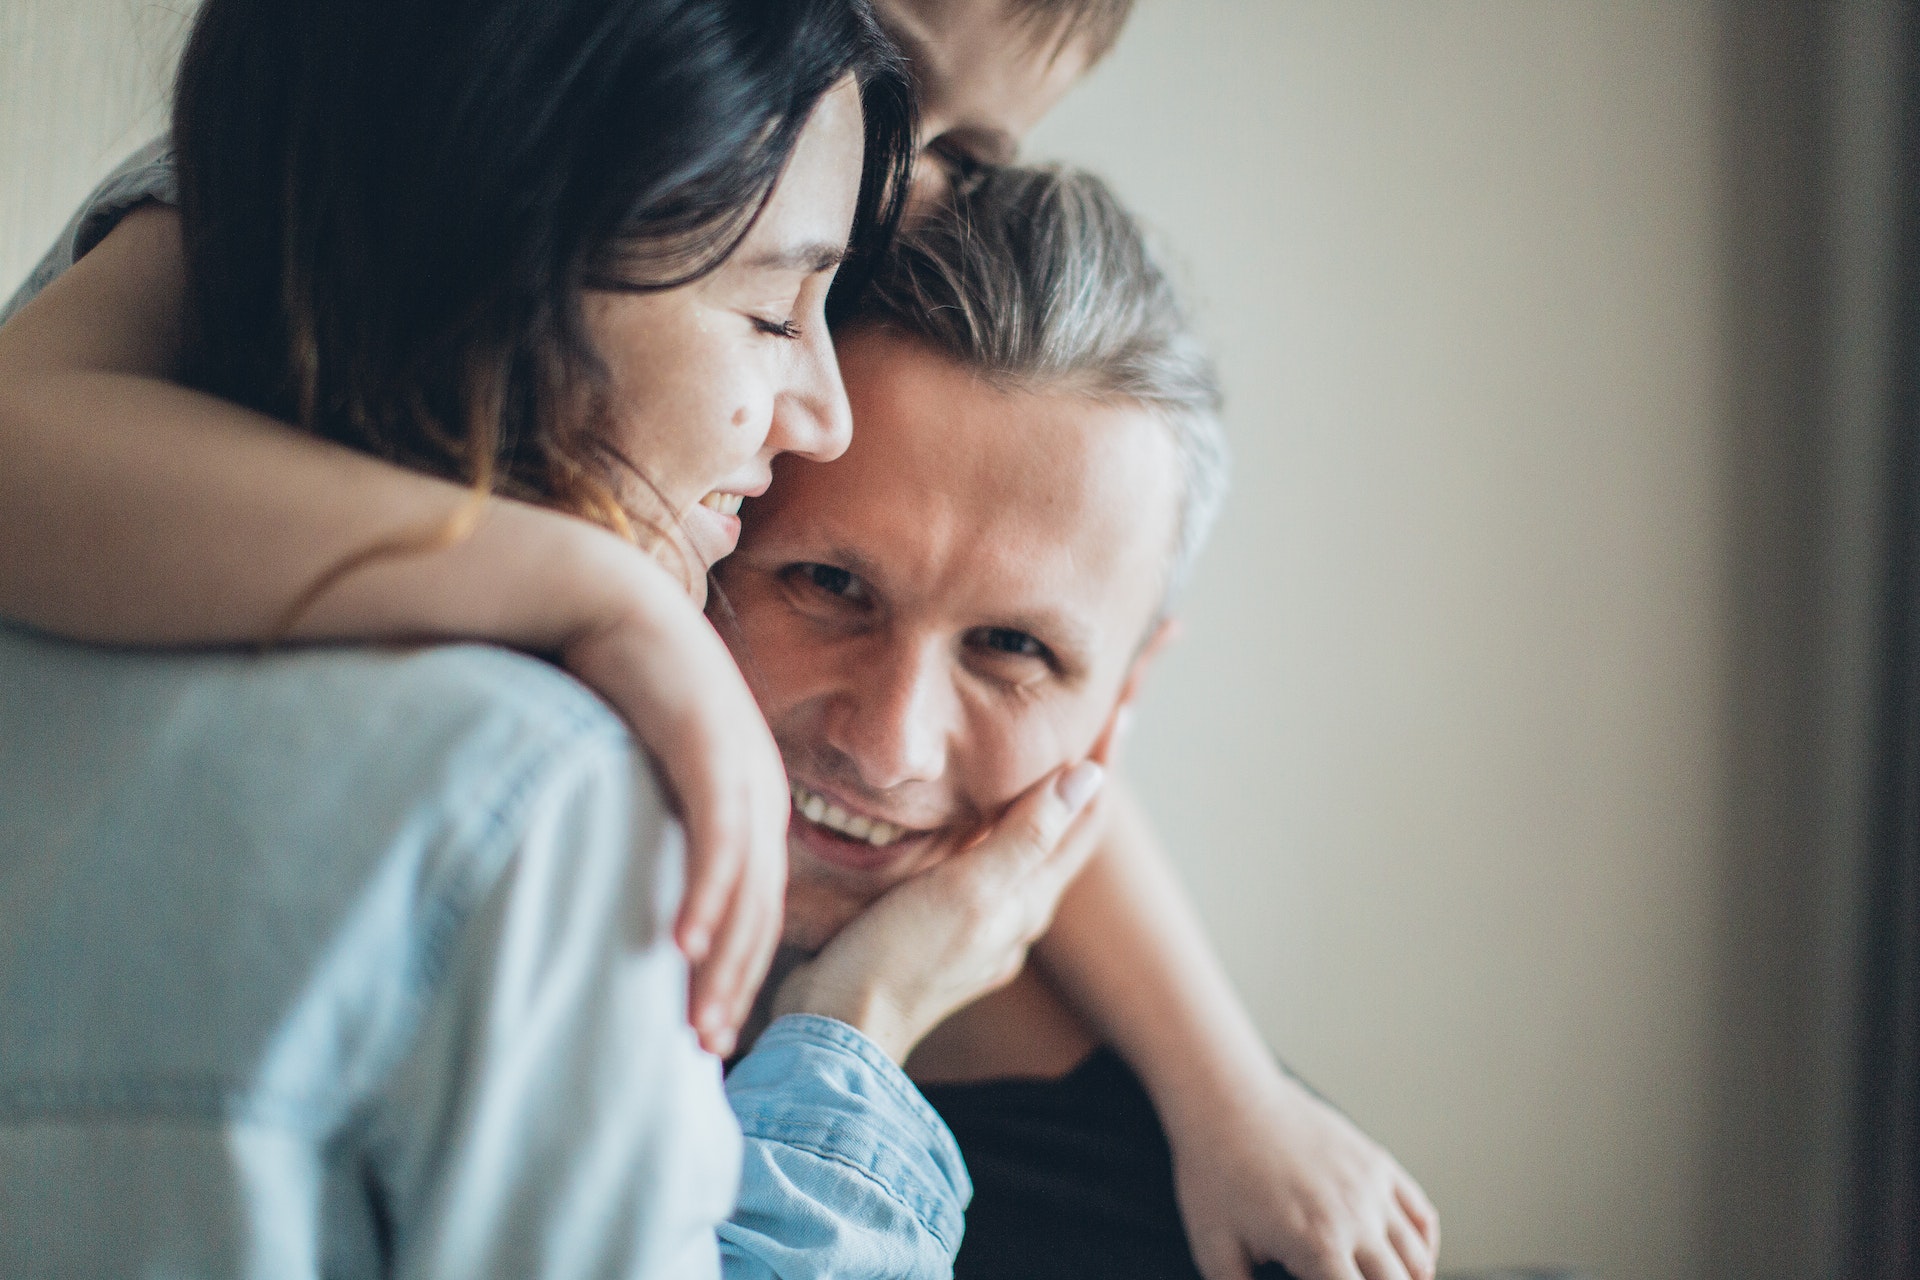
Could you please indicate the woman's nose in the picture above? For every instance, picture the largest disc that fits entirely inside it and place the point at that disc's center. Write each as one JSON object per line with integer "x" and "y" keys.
{"x": 811, "y": 416}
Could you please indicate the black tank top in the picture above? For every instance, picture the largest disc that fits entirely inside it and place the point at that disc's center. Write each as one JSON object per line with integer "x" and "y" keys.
{"x": 1072, "y": 1179}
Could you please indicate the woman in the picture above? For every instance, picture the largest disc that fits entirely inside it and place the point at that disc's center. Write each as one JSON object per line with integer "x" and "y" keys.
{"x": 351, "y": 960}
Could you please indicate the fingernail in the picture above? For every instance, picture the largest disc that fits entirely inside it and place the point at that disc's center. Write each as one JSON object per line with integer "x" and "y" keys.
{"x": 1078, "y": 784}
{"x": 697, "y": 942}
{"x": 723, "y": 1043}
{"x": 1122, "y": 724}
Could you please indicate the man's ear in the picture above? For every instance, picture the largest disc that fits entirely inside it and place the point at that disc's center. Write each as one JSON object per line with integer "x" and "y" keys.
{"x": 1164, "y": 633}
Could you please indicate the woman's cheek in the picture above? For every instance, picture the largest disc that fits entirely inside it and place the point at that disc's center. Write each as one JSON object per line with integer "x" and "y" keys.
{"x": 754, "y": 407}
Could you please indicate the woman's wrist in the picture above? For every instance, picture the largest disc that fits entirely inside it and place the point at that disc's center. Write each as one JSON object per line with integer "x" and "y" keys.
{"x": 862, "y": 1005}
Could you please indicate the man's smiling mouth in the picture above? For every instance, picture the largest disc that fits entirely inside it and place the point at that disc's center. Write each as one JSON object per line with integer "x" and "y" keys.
{"x": 855, "y": 826}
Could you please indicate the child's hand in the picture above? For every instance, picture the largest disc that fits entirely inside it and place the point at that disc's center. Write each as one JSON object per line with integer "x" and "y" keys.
{"x": 1283, "y": 1177}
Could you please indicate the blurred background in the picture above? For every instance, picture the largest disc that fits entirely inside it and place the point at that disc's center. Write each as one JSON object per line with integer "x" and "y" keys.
{"x": 1515, "y": 749}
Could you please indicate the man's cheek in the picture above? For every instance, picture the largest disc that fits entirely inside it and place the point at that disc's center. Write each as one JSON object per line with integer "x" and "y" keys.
{"x": 1021, "y": 753}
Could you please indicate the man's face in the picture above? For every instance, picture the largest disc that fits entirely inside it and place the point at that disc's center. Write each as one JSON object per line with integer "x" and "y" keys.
{"x": 945, "y": 615}
{"x": 981, "y": 79}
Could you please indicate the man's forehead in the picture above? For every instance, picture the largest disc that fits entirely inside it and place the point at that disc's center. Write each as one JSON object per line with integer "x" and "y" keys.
{"x": 966, "y": 485}
{"x": 950, "y": 431}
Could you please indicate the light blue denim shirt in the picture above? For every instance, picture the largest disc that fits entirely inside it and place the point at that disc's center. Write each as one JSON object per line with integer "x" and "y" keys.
{"x": 356, "y": 963}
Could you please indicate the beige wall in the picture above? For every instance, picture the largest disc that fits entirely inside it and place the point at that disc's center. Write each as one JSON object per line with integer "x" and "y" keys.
{"x": 82, "y": 82}
{"x": 1492, "y": 753}
{"x": 1482, "y": 752}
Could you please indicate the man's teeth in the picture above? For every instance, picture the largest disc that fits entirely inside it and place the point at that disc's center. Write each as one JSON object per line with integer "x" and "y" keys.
{"x": 857, "y": 826}
{"x": 727, "y": 504}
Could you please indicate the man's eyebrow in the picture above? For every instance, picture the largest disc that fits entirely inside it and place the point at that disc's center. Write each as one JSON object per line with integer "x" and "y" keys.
{"x": 811, "y": 258}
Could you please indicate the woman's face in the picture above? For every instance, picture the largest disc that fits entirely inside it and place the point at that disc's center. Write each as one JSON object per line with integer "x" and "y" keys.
{"x": 713, "y": 380}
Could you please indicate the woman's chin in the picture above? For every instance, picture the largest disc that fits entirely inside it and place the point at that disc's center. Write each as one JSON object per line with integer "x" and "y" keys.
{"x": 712, "y": 534}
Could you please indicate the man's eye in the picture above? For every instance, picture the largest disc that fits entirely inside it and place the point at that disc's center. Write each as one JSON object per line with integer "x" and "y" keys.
{"x": 831, "y": 579}
{"x": 1016, "y": 643}
{"x": 828, "y": 578}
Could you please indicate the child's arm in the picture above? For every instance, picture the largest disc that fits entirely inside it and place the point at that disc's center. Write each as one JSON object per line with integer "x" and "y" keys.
{"x": 1264, "y": 1170}
{"x": 136, "y": 511}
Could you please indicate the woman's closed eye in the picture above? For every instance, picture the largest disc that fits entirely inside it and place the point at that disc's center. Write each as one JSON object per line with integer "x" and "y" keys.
{"x": 788, "y": 328}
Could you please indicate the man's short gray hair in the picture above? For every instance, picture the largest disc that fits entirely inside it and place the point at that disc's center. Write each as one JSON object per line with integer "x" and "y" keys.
{"x": 1038, "y": 279}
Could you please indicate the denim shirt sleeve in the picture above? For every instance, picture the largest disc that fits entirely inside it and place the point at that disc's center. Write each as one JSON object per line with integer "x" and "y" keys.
{"x": 848, "y": 1171}
{"x": 555, "y": 1116}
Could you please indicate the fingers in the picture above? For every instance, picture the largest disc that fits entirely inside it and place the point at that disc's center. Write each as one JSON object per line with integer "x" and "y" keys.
{"x": 1017, "y": 873}
{"x": 1420, "y": 1211}
{"x": 1379, "y": 1262}
{"x": 1065, "y": 819}
{"x": 1330, "y": 1266}
{"x": 714, "y": 804}
{"x": 725, "y": 982}
{"x": 1410, "y": 1247}
{"x": 734, "y": 811}
{"x": 1038, "y": 819}
{"x": 714, "y": 862}
{"x": 1221, "y": 1258}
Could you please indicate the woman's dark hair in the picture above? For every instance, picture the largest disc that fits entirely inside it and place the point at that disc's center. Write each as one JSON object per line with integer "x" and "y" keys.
{"x": 392, "y": 208}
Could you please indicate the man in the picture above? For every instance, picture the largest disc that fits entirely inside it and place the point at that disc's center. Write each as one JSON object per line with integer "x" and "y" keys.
{"x": 966, "y": 600}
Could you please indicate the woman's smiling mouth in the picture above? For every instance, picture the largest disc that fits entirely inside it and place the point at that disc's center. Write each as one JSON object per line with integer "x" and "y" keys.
{"x": 713, "y": 525}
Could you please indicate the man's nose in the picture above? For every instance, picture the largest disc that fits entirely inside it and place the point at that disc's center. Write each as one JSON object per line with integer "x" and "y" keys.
{"x": 811, "y": 416}
{"x": 899, "y": 717}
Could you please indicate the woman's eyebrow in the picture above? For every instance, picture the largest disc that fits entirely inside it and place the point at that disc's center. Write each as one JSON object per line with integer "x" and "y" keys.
{"x": 811, "y": 258}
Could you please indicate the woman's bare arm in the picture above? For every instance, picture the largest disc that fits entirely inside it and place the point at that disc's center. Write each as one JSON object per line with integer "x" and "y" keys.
{"x": 1264, "y": 1170}
{"x": 136, "y": 511}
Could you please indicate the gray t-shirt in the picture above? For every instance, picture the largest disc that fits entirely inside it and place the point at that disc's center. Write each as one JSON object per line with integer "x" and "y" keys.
{"x": 147, "y": 174}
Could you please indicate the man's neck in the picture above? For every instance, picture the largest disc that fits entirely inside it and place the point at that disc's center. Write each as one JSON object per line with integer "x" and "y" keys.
{"x": 785, "y": 960}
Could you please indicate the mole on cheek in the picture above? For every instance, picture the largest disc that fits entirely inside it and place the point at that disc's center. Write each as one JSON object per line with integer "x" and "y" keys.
{"x": 740, "y": 416}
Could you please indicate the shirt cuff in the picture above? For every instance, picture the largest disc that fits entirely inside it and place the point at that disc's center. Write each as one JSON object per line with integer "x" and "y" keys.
{"x": 819, "y": 1084}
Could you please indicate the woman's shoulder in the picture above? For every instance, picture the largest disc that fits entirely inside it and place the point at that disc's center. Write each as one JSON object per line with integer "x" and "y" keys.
{"x": 364, "y": 737}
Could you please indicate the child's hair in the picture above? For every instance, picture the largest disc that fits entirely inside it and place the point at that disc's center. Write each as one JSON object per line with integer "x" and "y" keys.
{"x": 392, "y": 208}
{"x": 1038, "y": 279}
